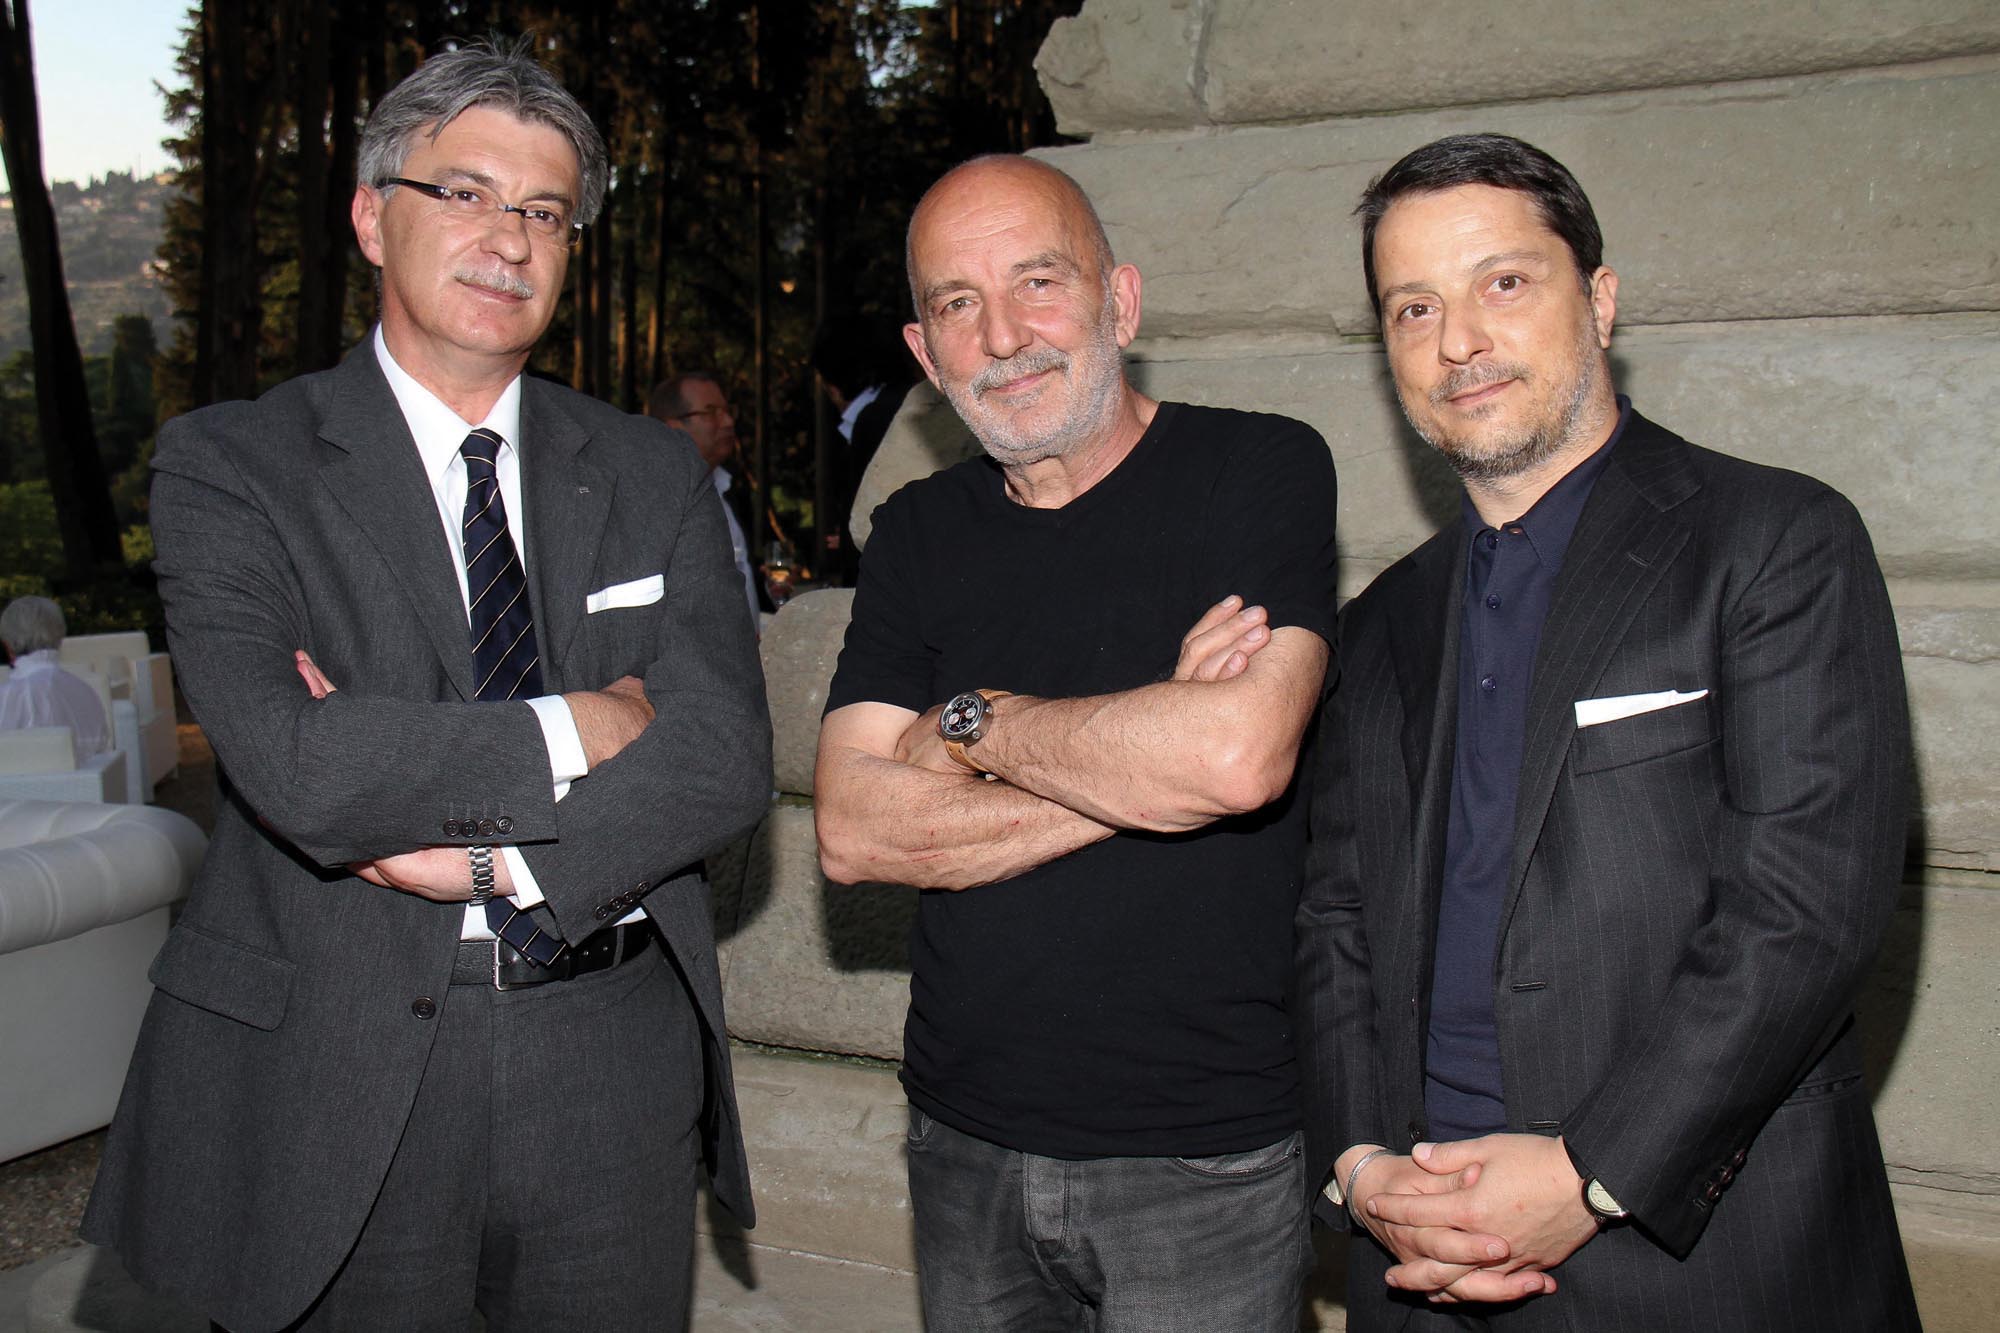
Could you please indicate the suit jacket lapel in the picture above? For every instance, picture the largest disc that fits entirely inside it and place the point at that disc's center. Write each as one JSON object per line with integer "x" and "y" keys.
{"x": 1627, "y": 536}
{"x": 1424, "y": 634}
{"x": 375, "y": 472}
{"x": 568, "y": 502}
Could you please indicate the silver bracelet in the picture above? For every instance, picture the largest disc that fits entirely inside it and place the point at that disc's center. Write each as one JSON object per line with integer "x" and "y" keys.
{"x": 482, "y": 874}
{"x": 1355, "y": 1175}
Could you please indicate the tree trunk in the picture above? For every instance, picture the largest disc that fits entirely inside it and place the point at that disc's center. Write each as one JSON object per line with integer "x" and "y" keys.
{"x": 628, "y": 300}
{"x": 82, "y": 493}
{"x": 230, "y": 320}
{"x": 313, "y": 348}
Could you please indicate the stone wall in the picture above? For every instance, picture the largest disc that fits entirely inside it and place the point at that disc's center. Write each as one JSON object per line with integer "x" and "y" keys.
{"x": 1802, "y": 200}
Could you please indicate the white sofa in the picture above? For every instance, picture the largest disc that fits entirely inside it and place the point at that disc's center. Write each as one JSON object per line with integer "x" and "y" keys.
{"x": 84, "y": 892}
{"x": 39, "y": 764}
{"x": 141, "y": 684}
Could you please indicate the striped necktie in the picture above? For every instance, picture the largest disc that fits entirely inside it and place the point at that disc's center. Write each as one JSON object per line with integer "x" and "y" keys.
{"x": 506, "y": 662}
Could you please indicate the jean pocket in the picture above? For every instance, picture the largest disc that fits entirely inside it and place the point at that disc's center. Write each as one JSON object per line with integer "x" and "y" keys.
{"x": 920, "y": 1129}
{"x": 1287, "y": 1151}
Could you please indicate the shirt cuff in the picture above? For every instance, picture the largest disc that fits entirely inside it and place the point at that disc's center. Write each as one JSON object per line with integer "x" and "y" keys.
{"x": 527, "y": 893}
{"x": 565, "y": 746}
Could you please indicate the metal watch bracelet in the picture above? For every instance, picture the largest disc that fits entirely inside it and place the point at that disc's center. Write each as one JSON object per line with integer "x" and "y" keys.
{"x": 481, "y": 859}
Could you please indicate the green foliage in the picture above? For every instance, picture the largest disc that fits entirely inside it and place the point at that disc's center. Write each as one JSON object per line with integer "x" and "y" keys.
{"x": 31, "y": 562}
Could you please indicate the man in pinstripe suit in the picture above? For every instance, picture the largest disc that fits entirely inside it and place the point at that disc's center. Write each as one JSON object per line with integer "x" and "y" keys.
{"x": 1608, "y": 827}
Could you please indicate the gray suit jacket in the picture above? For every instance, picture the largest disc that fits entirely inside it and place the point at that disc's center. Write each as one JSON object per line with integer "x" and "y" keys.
{"x": 1695, "y": 896}
{"x": 283, "y": 1047}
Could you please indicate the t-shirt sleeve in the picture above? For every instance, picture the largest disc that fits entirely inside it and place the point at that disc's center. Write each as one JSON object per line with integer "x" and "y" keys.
{"x": 883, "y": 659}
{"x": 1271, "y": 525}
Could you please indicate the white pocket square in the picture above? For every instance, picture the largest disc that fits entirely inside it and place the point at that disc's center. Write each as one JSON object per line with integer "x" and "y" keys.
{"x": 1591, "y": 712}
{"x": 639, "y": 592}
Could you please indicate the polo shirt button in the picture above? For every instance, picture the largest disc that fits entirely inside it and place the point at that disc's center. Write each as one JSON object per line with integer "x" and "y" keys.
{"x": 424, "y": 1007}
{"x": 1488, "y": 683}
{"x": 1493, "y": 601}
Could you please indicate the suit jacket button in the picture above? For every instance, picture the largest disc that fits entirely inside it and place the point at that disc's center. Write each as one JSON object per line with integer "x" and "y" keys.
{"x": 601, "y": 913}
{"x": 505, "y": 824}
{"x": 424, "y": 1007}
{"x": 451, "y": 828}
{"x": 1713, "y": 1192}
{"x": 1742, "y": 1156}
{"x": 1416, "y": 1129}
{"x": 487, "y": 828}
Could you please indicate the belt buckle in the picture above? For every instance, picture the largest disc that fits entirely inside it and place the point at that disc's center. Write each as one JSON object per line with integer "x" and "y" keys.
{"x": 498, "y": 984}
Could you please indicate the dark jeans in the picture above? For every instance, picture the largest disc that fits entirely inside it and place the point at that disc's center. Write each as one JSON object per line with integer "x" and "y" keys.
{"x": 1011, "y": 1241}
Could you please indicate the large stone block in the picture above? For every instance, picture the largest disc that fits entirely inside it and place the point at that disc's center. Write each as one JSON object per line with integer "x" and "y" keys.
{"x": 1141, "y": 64}
{"x": 1126, "y": 65}
{"x": 825, "y": 1140}
{"x": 810, "y": 965}
{"x": 1955, "y": 718}
{"x": 800, "y": 649}
{"x": 927, "y": 434}
{"x": 1930, "y": 1025}
{"x": 1885, "y": 410}
{"x": 1852, "y": 194}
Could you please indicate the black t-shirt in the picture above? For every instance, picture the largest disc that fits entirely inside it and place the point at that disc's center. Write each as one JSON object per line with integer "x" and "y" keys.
{"x": 1128, "y": 999}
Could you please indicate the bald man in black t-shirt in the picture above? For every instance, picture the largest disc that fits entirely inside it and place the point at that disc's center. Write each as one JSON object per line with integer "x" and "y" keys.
{"x": 1074, "y": 692}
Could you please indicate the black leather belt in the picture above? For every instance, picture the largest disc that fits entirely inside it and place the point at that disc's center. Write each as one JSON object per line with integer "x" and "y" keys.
{"x": 495, "y": 963}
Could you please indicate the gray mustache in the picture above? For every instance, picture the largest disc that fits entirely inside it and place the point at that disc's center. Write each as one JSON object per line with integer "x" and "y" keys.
{"x": 506, "y": 284}
{"x": 1472, "y": 377}
{"x": 1014, "y": 367}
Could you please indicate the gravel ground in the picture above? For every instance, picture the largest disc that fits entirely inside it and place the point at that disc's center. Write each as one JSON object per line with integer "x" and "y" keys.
{"x": 42, "y": 1195}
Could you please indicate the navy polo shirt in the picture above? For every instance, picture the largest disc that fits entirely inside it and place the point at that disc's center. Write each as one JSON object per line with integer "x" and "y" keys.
{"x": 1510, "y": 575}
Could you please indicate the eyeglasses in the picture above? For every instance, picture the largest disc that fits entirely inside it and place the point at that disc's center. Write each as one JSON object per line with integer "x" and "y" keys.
{"x": 471, "y": 203}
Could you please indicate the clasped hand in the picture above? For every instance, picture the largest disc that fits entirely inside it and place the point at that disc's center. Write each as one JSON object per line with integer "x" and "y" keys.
{"x": 1477, "y": 1220}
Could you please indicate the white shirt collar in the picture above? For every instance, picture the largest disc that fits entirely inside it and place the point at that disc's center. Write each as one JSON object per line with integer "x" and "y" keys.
{"x": 42, "y": 659}
{"x": 439, "y": 431}
{"x": 853, "y": 412}
{"x": 719, "y": 475}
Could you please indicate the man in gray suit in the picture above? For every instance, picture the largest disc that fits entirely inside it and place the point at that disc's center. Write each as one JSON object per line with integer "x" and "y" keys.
{"x": 1609, "y": 824}
{"x": 351, "y": 1105}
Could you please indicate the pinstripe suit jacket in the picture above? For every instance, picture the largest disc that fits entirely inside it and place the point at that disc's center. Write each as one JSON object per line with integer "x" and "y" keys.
{"x": 283, "y": 1047}
{"x": 1694, "y": 897}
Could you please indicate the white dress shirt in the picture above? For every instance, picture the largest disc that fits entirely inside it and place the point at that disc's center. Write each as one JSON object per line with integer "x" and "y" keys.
{"x": 739, "y": 545}
{"x": 41, "y": 694}
{"x": 440, "y": 433}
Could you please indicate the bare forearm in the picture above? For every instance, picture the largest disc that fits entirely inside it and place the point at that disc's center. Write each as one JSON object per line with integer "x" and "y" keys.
{"x": 1167, "y": 757}
{"x": 885, "y": 822}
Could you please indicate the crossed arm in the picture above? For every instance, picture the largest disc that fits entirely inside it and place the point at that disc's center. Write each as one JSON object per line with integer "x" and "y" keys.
{"x": 606, "y": 720}
{"x": 1219, "y": 737}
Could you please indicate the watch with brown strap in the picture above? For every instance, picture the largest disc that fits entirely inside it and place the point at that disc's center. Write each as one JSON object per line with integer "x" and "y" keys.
{"x": 965, "y": 720}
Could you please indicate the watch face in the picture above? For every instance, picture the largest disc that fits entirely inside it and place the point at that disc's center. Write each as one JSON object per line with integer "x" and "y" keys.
{"x": 1600, "y": 1200}
{"x": 962, "y": 717}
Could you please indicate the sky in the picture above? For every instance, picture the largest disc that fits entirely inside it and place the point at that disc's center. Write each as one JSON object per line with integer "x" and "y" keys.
{"x": 96, "y": 62}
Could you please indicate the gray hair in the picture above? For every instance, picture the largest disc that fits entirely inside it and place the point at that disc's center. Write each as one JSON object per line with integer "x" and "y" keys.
{"x": 31, "y": 624}
{"x": 669, "y": 400}
{"x": 480, "y": 74}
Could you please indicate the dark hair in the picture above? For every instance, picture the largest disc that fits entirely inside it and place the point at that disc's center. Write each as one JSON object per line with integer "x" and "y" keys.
{"x": 855, "y": 352}
{"x": 1485, "y": 159}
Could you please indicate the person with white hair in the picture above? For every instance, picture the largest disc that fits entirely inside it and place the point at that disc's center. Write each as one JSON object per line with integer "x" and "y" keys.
{"x": 40, "y": 693}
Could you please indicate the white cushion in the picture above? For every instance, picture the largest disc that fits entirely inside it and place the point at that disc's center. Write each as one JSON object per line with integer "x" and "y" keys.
{"x": 38, "y": 750}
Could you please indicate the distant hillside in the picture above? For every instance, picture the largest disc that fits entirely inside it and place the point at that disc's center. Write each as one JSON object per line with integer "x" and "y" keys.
{"x": 110, "y": 230}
